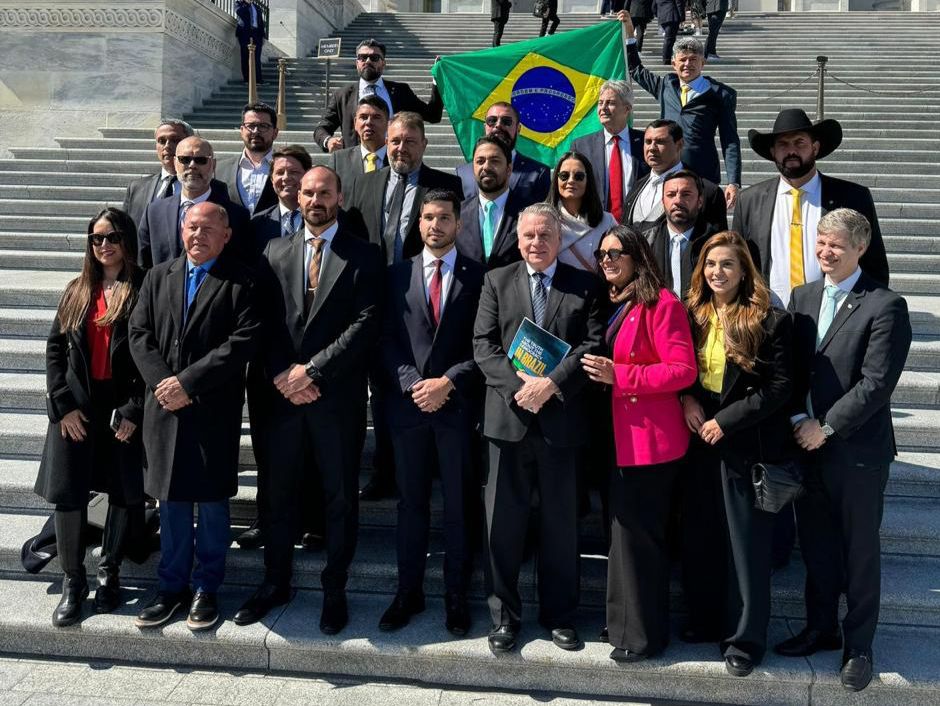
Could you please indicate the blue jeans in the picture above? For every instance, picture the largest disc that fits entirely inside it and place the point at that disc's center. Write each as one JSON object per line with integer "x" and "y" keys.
{"x": 181, "y": 544}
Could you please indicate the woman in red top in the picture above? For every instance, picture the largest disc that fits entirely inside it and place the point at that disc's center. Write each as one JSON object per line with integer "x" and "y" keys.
{"x": 653, "y": 360}
{"x": 94, "y": 399}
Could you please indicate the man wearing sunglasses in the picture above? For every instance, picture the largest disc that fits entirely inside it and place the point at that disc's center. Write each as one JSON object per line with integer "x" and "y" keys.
{"x": 529, "y": 180}
{"x": 341, "y": 111}
{"x": 159, "y": 232}
{"x": 248, "y": 176}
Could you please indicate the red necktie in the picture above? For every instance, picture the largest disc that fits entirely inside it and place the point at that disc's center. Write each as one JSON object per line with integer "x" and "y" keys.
{"x": 437, "y": 281}
{"x": 615, "y": 181}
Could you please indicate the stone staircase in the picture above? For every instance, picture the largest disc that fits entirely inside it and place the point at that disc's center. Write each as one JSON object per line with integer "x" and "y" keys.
{"x": 891, "y": 145}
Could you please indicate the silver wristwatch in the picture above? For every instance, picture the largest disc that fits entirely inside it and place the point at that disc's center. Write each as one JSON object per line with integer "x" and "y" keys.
{"x": 827, "y": 430}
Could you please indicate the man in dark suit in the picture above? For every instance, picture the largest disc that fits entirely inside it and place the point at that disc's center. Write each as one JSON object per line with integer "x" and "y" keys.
{"x": 662, "y": 151}
{"x": 530, "y": 180}
{"x": 142, "y": 191}
{"x": 322, "y": 287}
{"x": 160, "y": 231}
{"x": 370, "y": 64}
{"x": 249, "y": 28}
{"x": 765, "y": 214}
{"x": 851, "y": 339}
{"x": 433, "y": 403}
{"x": 488, "y": 219}
{"x": 616, "y": 151}
{"x": 499, "y": 16}
{"x": 371, "y": 125}
{"x": 192, "y": 332}
{"x": 701, "y": 105}
{"x": 248, "y": 176}
{"x": 535, "y": 426}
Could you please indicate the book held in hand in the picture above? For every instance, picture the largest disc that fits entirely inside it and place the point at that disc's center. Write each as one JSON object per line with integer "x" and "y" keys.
{"x": 535, "y": 351}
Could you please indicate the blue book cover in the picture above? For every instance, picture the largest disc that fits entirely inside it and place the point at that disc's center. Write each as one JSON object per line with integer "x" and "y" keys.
{"x": 535, "y": 351}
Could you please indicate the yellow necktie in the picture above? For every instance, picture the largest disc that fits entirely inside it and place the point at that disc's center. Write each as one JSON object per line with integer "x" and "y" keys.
{"x": 685, "y": 94}
{"x": 797, "y": 277}
{"x": 371, "y": 159}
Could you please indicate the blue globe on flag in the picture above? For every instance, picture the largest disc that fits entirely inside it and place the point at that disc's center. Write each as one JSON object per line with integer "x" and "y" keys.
{"x": 545, "y": 99}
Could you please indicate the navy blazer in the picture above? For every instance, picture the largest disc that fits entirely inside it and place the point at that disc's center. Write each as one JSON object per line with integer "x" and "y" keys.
{"x": 700, "y": 118}
{"x": 530, "y": 180}
{"x": 265, "y": 226}
{"x": 506, "y": 243}
{"x": 593, "y": 147}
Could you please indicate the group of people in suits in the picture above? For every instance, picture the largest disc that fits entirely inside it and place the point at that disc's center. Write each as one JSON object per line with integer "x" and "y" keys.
{"x": 268, "y": 273}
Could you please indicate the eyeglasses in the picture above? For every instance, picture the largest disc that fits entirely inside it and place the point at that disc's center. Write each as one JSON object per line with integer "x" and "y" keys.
{"x": 257, "y": 127}
{"x": 614, "y": 254}
{"x": 374, "y": 58}
{"x": 577, "y": 176}
{"x": 504, "y": 120}
{"x": 97, "y": 239}
{"x": 185, "y": 160}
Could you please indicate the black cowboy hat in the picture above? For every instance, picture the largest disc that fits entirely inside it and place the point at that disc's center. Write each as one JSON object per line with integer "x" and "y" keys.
{"x": 827, "y": 132}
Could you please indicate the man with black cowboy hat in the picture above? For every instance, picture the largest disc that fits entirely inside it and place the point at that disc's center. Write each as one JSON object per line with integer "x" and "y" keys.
{"x": 779, "y": 215}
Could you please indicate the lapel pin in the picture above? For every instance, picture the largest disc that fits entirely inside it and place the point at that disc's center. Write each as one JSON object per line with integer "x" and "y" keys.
{"x": 849, "y": 306}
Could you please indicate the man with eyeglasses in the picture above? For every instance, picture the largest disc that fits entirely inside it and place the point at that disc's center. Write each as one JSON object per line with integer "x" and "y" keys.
{"x": 248, "y": 175}
{"x": 159, "y": 233}
{"x": 399, "y": 97}
{"x": 142, "y": 191}
{"x": 615, "y": 151}
{"x": 530, "y": 180}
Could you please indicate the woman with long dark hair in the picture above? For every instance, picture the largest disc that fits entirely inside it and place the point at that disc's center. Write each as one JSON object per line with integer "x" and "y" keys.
{"x": 653, "y": 360}
{"x": 738, "y": 411}
{"x": 95, "y": 403}
{"x": 583, "y": 219}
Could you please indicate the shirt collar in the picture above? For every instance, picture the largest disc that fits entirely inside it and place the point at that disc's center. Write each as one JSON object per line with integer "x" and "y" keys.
{"x": 624, "y": 135}
{"x": 411, "y": 176}
{"x": 699, "y": 85}
{"x": 500, "y": 200}
{"x": 687, "y": 234}
{"x": 377, "y": 83}
{"x": 207, "y": 265}
{"x": 848, "y": 283}
{"x": 327, "y": 235}
{"x": 449, "y": 258}
{"x": 675, "y": 168}
{"x": 199, "y": 199}
{"x": 246, "y": 162}
{"x": 810, "y": 188}
{"x": 380, "y": 152}
{"x": 164, "y": 173}
{"x": 284, "y": 210}
{"x": 549, "y": 271}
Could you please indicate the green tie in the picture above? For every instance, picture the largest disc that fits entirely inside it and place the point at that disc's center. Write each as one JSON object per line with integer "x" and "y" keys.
{"x": 489, "y": 228}
{"x": 828, "y": 313}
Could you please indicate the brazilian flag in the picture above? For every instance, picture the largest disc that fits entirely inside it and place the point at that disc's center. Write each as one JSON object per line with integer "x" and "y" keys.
{"x": 552, "y": 81}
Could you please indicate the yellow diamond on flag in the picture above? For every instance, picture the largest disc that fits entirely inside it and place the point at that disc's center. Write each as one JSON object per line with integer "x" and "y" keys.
{"x": 552, "y": 99}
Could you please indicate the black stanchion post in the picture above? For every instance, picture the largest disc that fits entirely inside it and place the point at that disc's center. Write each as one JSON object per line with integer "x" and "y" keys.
{"x": 821, "y": 86}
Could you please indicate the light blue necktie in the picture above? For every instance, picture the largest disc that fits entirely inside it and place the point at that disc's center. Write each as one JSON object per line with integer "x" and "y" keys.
{"x": 489, "y": 228}
{"x": 539, "y": 297}
{"x": 828, "y": 313}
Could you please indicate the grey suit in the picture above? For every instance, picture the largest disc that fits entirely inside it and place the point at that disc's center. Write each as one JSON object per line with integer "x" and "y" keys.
{"x": 348, "y": 164}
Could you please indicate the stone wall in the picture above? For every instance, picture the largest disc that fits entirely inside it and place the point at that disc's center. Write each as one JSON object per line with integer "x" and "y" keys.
{"x": 295, "y": 26}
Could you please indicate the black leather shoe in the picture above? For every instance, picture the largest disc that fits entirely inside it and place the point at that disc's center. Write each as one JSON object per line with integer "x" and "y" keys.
{"x": 377, "y": 489}
{"x": 267, "y": 597}
{"x": 458, "y": 614}
{"x": 566, "y": 638}
{"x": 335, "y": 613}
{"x": 856, "y": 670}
{"x": 808, "y": 642}
{"x": 162, "y": 608}
{"x": 69, "y": 610}
{"x": 251, "y": 538}
{"x": 502, "y": 638}
{"x": 203, "y": 612}
{"x": 312, "y": 542}
{"x": 738, "y": 666}
{"x": 618, "y": 654}
{"x": 605, "y": 635}
{"x": 403, "y": 606}
{"x": 107, "y": 597}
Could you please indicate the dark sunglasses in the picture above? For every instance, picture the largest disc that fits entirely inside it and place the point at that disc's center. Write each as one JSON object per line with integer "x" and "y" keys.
{"x": 98, "y": 240}
{"x": 614, "y": 254}
{"x": 374, "y": 58}
{"x": 504, "y": 120}
{"x": 186, "y": 159}
{"x": 577, "y": 176}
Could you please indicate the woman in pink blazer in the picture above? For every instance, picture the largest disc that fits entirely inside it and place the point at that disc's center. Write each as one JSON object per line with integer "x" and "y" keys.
{"x": 653, "y": 360}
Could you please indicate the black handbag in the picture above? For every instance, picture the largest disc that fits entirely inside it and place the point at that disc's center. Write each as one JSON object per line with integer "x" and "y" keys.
{"x": 776, "y": 485}
{"x": 541, "y": 9}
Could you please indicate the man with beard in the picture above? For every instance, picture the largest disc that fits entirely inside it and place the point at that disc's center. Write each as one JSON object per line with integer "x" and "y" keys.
{"x": 530, "y": 180}
{"x": 615, "y": 151}
{"x": 370, "y": 154}
{"x": 488, "y": 219}
{"x": 323, "y": 290}
{"x": 160, "y": 229}
{"x": 248, "y": 176}
{"x": 780, "y": 215}
{"x": 142, "y": 191}
{"x": 370, "y": 64}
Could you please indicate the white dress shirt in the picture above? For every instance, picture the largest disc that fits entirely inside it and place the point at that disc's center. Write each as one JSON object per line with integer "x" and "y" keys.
{"x": 284, "y": 213}
{"x": 649, "y": 202}
{"x": 447, "y": 273}
{"x": 626, "y": 159}
{"x": 177, "y": 186}
{"x": 810, "y": 201}
{"x": 252, "y": 178}
{"x": 380, "y": 90}
{"x": 327, "y": 236}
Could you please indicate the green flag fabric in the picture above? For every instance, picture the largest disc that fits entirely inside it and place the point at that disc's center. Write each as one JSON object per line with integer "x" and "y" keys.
{"x": 552, "y": 81}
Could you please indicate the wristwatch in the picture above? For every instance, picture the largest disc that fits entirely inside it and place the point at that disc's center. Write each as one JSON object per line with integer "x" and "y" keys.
{"x": 827, "y": 430}
{"x": 313, "y": 372}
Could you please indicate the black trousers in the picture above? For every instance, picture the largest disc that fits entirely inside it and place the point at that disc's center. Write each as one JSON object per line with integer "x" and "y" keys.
{"x": 516, "y": 470}
{"x": 383, "y": 458}
{"x": 751, "y": 533}
{"x": 498, "y": 27}
{"x": 839, "y": 521}
{"x": 639, "y": 30}
{"x": 671, "y": 29}
{"x": 638, "y": 563}
{"x": 443, "y": 444}
{"x": 715, "y": 20}
{"x": 553, "y": 18}
{"x": 308, "y": 441}
{"x": 259, "y": 42}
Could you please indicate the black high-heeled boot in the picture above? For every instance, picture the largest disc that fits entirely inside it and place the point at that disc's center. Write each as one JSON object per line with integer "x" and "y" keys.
{"x": 70, "y": 542}
{"x": 116, "y": 529}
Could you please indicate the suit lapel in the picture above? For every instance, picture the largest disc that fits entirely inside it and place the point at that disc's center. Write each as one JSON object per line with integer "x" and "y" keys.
{"x": 730, "y": 378}
{"x": 207, "y": 290}
{"x": 523, "y": 291}
{"x": 335, "y": 264}
{"x": 175, "y": 281}
{"x": 417, "y": 301}
{"x": 293, "y": 266}
{"x": 506, "y": 224}
{"x": 472, "y": 239}
{"x": 852, "y": 303}
{"x": 764, "y": 210}
{"x": 598, "y": 148}
{"x": 555, "y": 296}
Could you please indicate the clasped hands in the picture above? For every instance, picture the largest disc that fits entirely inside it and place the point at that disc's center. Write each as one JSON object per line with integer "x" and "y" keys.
{"x": 809, "y": 434}
{"x": 431, "y": 394}
{"x": 72, "y": 427}
{"x": 534, "y": 392}
{"x": 296, "y": 385}
{"x": 708, "y": 431}
{"x": 171, "y": 395}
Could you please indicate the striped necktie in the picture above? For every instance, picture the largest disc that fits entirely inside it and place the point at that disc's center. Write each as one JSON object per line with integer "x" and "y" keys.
{"x": 539, "y": 297}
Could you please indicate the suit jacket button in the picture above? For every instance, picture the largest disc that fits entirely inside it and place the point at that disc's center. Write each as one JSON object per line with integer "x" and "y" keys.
{"x": 176, "y": 342}
{"x": 632, "y": 354}
{"x": 631, "y": 318}
{"x": 633, "y": 399}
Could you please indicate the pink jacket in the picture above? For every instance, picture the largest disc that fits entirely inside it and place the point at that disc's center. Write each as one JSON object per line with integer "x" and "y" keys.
{"x": 654, "y": 359}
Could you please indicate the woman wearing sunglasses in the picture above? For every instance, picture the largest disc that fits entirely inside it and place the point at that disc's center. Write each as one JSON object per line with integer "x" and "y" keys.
{"x": 653, "y": 360}
{"x": 95, "y": 403}
{"x": 738, "y": 411}
{"x": 584, "y": 220}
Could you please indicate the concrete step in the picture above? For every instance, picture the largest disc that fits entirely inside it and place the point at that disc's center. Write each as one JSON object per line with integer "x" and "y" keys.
{"x": 40, "y": 260}
{"x": 27, "y": 323}
{"x": 916, "y": 283}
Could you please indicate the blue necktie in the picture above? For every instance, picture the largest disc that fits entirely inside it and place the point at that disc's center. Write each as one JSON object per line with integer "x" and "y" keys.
{"x": 828, "y": 313}
{"x": 539, "y": 297}
{"x": 196, "y": 275}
